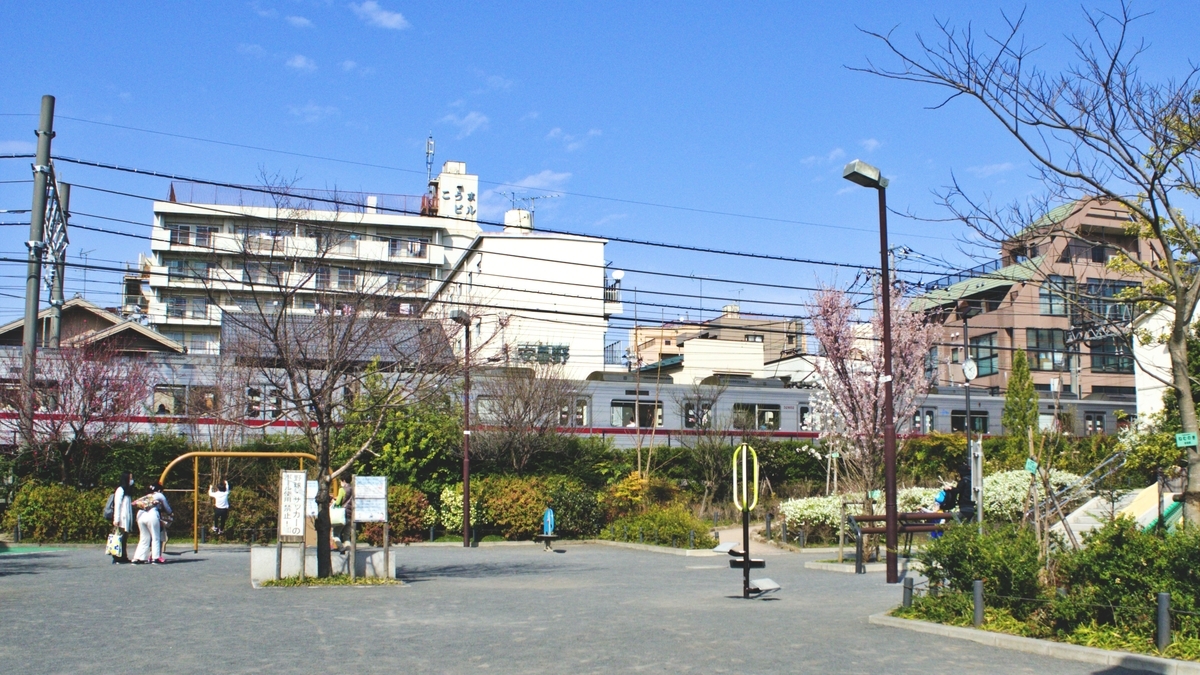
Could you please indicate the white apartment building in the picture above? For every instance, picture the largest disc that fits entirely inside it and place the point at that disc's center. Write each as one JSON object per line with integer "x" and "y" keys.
{"x": 216, "y": 250}
{"x": 533, "y": 297}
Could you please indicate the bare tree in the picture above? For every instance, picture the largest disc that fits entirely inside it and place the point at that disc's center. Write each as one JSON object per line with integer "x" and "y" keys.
{"x": 852, "y": 372}
{"x": 521, "y": 410}
{"x": 1098, "y": 129}
{"x": 86, "y": 394}
{"x": 707, "y": 436}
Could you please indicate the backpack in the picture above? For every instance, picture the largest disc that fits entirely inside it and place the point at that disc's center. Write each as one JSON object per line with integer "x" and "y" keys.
{"x": 145, "y": 503}
{"x": 110, "y": 507}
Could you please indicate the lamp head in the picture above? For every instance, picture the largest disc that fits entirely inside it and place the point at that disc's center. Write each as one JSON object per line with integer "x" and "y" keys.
{"x": 864, "y": 174}
{"x": 460, "y": 317}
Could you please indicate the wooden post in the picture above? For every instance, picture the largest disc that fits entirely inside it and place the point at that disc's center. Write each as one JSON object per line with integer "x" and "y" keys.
{"x": 387, "y": 563}
{"x": 304, "y": 537}
{"x": 842, "y": 535}
{"x": 195, "y": 505}
{"x": 353, "y": 531}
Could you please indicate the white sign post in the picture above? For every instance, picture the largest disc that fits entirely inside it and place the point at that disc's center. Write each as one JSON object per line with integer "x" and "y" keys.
{"x": 370, "y": 506}
{"x": 292, "y": 488}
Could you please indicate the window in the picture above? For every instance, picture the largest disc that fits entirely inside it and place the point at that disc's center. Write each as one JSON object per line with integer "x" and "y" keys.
{"x": 1100, "y": 253}
{"x": 407, "y": 248}
{"x": 979, "y": 421}
{"x": 1046, "y": 349}
{"x": 924, "y": 420}
{"x": 985, "y": 354}
{"x": 1111, "y": 355}
{"x": 169, "y": 399}
{"x": 954, "y": 358}
{"x": 176, "y": 307}
{"x": 204, "y": 236}
{"x": 754, "y": 338}
{"x": 269, "y": 274}
{"x": 575, "y": 415}
{"x": 1109, "y": 390}
{"x": 1054, "y": 294}
{"x": 759, "y": 416}
{"x": 931, "y": 365}
{"x": 697, "y": 414}
{"x": 1101, "y": 304}
{"x": 646, "y": 415}
{"x": 1093, "y": 423}
{"x": 803, "y": 412}
{"x": 346, "y": 279}
{"x": 199, "y": 308}
{"x": 180, "y": 234}
{"x": 322, "y": 277}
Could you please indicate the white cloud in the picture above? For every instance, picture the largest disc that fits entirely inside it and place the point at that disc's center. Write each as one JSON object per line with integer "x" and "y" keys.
{"x": 544, "y": 180}
{"x": 990, "y": 169}
{"x": 467, "y": 124}
{"x": 374, "y": 15}
{"x": 834, "y": 155}
{"x": 17, "y": 147}
{"x": 610, "y": 218}
{"x": 301, "y": 62}
{"x": 348, "y": 65}
{"x": 493, "y": 203}
{"x": 531, "y": 115}
{"x": 310, "y": 112}
{"x": 498, "y": 83}
{"x": 572, "y": 142}
{"x": 870, "y": 144}
{"x": 265, "y": 13}
{"x": 846, "y": 190}
{"x": 298, "y": 22}
{"x": 251, "y": 50}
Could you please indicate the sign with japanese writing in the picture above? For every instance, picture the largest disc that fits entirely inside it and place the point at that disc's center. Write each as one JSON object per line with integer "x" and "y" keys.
{"x": 1185, "y": 440}
{"x": 310, "y": 506}
{"x": 370, "y": 499}
{"x": 292, "y": 488}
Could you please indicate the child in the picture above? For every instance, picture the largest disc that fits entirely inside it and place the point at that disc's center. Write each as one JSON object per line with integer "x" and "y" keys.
{"x": 220, "y": 496}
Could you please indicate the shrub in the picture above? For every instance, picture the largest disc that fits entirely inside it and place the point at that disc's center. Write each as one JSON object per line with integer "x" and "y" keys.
{"x": 635, "y": 493}
{"x": 406, "y": 517}
{"x": 577, "y": 511}
{"x": 449, "y": 512}
{"x": 661, "y": 525}
{"x": 819, "y": 516}
{"x": 1005, "y": 493}
{"x": 249, "y": 514}
{"x": 514, "y": 504}
{"x": 51, "y": 513}
{"x": 1004, "y": 558}
{"x": 925, "y": 459}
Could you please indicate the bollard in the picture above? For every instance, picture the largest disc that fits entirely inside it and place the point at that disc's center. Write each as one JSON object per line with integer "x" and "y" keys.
{"x": 769, "y": 538}
{"x": 252, "y": 537}
{"x": 641, "y": 536}
{"x": 714, "y": 519}
{"x": 672, "y": 541}
{"x": 860, "y": 566}
{"x": 203, "y": 536}
{"x": 1164, "y": 621}
{"x": 17, "y": 533}
{"x": 802, "y": 538}
{"x": 431, "y": 532}
{"x": 908, "y": 591}
{"x": 783, "y": 531}
{"x": 691, "y": 539}
{"x": 978, "y": 593}
{"x": 626, "y": 533}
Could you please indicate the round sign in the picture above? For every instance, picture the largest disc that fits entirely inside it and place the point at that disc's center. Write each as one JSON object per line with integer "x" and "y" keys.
{"x": 970, "y": 370}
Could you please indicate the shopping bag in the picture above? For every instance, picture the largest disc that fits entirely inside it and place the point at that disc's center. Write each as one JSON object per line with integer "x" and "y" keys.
{"x": 114, "y": 547}
{"x": 337, "y": 515}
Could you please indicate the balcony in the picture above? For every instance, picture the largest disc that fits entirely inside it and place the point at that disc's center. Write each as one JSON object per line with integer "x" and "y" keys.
{"x": 977, "y": 271}
{"x": 612, "y": 298}
{"x": 185, "y": 192}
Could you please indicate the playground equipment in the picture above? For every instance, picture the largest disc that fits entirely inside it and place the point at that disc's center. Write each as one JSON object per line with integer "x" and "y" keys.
{"x": 195, "y": 457}
{"x": 744, "y": 457}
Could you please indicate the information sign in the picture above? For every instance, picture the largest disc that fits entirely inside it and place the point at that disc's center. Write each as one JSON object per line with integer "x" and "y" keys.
{"x": 1185, "y": 440}
{"x": 370, "y": 499}
{"x": 292, "y": 486}
{"x": 1031, "y": 466}
{"x": 310, "y": 507}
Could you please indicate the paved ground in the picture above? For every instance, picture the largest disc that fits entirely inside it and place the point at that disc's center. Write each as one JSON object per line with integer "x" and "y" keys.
{"x": 588, "y": 609}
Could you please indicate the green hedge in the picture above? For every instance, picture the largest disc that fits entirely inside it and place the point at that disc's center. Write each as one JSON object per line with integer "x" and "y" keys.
{"x": 406, "y": 517}
{"x": 661, "y": 525}
{"x": 51, "y": 513}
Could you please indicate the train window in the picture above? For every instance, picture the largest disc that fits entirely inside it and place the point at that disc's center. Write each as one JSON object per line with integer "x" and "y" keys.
{"x": 253, "y": 402}
{"x": 697, "y": 413}
{"x": 576, "y": 415}
{"x": 804, "y": 413}
{"x": 636, "y": 414}
{"x": 979, "y": 421}
{"x": 924, "y": 420}
{"x": 1093, "y": 423}
{"x": 169, "y": 399}
{"x": 760, "y": 416}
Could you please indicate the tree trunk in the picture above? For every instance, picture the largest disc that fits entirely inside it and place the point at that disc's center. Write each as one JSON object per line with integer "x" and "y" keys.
{"x": 1177, "y": 348}
{"x": 323, "y": 526}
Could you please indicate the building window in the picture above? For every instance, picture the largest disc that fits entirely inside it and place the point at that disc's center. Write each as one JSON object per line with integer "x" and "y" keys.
{"x": 180, "y": 234}
{"x": 954, "y": 358}
{"x": 1101, "y": 304}
{"x": 931, "y": 365}
{"x": 322, "y": 277}
{"x": 697, "y": 414}
{"x": 985, "y": 354}
{"x": 633, "y": 414}
{"x": 1111, "y": 355}
{"x": 979, "y": 421}
{"x": 1053, "y": 297}
{"x": 1093, "y": 423}
{"x": 1047, "y": 349}
{"x": 407, "y": 248}
{"x": 176, "y": 307}
{"x": 754, "y": 338}
{"x": 576, "y": 415}
{"x": 757, "y": 416}
{"x": 1109, "y": 390}
{"x": 199, "y": 308}
{"x": 204, "y": 236}
{"x": 347, "y": 279}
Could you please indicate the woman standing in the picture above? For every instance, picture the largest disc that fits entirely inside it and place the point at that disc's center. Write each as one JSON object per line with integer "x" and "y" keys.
{"x": 220, "y": 496}
{"x": 123, "y": 518}
{"x": 149, "y": 549}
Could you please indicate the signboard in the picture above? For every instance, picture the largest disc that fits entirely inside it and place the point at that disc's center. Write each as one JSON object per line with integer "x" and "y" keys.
{"x": 1185, "y": 440}
{"x": 370, "y": 499}
{"x": 292, "y": 486}
{"x": 310, "y": 506}
{"x": 1031, "y": 466}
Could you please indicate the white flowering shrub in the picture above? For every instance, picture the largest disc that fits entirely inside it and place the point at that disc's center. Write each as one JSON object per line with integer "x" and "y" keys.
{"x": 1005, "y": 493}
{"x": 819, "y": 515}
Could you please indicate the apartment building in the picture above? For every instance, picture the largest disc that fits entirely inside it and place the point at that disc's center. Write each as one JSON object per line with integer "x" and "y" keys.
{"x": 533, "y": 297}
{"x": 217, "y": 250}
{"x": 779, "y": 338}
{"x": 1052, "y": 294}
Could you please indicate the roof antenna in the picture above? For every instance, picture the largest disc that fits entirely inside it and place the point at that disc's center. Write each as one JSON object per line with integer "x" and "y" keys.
{"x": 429, "y": 158}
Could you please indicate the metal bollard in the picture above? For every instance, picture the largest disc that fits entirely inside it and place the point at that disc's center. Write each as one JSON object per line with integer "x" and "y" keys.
{"x": 783, "y": 531}
{"x": 672, "y": 541}
{"x": 626, "y": 533}
{"x": 860, "y": 566}
{"x": 641, "y": 536}
{"x": 17, "y": 533}
{"x": 769, "y": 538}
{"x": 977, "y": 587}
{"x": 714, "y": 519}
{"x": 908, "y": 592}
{"x": 1164, "y": 621}
{"x": 691, "y": 539}
{"x": 203, "y": 536}
{"x": 431, "y": 538}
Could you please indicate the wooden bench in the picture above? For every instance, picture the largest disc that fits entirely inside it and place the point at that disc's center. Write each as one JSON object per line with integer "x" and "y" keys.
{"x": 906, "y": 524}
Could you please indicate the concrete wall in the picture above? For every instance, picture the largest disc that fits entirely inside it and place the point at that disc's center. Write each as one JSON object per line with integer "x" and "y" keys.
{"x": 369, "y": 563}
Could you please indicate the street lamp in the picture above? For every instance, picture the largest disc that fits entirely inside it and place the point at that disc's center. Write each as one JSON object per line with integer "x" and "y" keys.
{"x": 463, "y": 319}
{"x": 864, "y": 174}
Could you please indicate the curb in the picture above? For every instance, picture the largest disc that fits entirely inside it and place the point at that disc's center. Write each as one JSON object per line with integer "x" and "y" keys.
{"x": 848, "y": 567}
{"x": 1058, "y": 650}
{"x": 457, "y": 544}
{"x": 689, "y": 552}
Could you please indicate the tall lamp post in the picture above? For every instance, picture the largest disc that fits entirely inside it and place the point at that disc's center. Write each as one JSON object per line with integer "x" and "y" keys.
{"x": 464, "y": 319}
{"x": 864, "y": 174}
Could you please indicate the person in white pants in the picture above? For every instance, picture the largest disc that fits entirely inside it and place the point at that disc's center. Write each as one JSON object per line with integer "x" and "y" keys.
{"x": 149, "y": 548}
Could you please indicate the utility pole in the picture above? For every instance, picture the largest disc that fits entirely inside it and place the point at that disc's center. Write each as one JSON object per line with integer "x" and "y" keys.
{"x": 33, "y": 276}
{"x": 464, "y": 319}
{"x": 60, "y": 270}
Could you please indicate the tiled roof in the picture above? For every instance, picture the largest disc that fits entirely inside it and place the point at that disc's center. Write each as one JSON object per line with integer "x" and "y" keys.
{"x": 1005, "y": 276}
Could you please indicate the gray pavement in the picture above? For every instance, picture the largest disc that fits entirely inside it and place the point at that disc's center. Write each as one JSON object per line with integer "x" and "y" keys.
{"x": 588, "y": 609}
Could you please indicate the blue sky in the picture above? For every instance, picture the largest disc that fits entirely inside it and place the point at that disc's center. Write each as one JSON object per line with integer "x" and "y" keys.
{"x": 742, "y": 109}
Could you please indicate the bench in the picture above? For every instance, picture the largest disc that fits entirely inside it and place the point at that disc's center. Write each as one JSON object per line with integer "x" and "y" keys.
{"x": 907, "y": 524}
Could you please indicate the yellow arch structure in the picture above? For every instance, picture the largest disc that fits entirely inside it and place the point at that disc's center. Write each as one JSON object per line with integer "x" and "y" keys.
{"x": 195, "y": 457}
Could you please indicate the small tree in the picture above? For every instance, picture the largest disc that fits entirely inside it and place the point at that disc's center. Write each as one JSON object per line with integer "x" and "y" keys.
{"x": 1020, "y": 403}
{"x": 708, "y": 438}
{"x": 520, "y": 410}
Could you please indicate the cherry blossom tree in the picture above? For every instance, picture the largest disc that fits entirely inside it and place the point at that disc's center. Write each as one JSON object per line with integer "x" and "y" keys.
{"x": 851, "y": 370}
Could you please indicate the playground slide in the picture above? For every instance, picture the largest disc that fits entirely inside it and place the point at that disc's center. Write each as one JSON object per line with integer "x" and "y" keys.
{"x": 1144, "y": 508}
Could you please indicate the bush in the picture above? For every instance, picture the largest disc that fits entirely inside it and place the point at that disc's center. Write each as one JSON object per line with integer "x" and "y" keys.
{"x": 634, "y": 494}
{"x": 577, "y": 511}
{"x": 51, "y": 513}
{"x": 926, "y": 459}
{"x": 513, "y": 504}
{"x": 1004, "y": 558}
{"x": 1005, "y": 493}
{"x": 406, "y": 517}
{"x": 449, "y": 510}
{"x": 819, "y": 516}
{"x": 661, "y": 525}
{"x": 250, "y": 514}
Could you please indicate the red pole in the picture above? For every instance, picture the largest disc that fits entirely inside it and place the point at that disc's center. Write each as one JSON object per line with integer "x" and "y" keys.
{"x": 889, "y": 415}
{"x": 466, "y": 532}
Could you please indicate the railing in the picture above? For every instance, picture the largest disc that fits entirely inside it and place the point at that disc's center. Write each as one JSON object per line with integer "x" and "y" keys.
{"x": 613, "y": 354}
{"x": 612, "y": 291}
{"x": 1083, "y": 486}
{"x": 977, "y": 271}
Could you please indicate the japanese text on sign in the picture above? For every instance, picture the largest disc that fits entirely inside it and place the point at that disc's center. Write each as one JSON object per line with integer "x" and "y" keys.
{"x": 370, "y": 499}
{"x": 292, "y": 485}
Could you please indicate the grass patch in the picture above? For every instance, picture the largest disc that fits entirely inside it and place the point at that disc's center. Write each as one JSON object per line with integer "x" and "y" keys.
{"x": 336, "y": 580}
